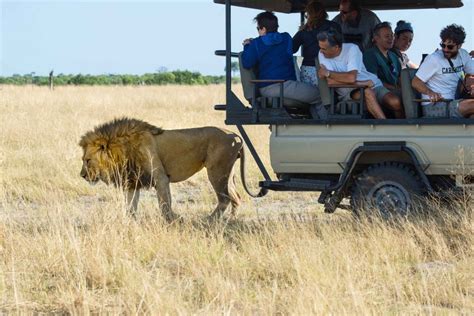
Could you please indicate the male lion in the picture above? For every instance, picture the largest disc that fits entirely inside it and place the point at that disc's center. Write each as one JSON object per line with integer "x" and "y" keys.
{"x": 133, "y": 154}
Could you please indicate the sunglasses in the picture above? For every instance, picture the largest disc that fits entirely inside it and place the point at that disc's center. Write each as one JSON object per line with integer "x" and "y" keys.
{"x": 450, "y": 46}
{"x": 345, "y": 12}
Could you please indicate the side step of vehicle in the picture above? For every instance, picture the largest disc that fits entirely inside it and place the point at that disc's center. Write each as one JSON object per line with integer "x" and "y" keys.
{"x": 220, "y": 107}
{"x": 296, "y": 184}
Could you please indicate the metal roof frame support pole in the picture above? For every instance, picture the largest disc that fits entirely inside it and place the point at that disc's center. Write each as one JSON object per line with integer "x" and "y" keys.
{"x": 254, "y": 153}
{"x": 302, "y": 21}
{"x": 228, "y": 48}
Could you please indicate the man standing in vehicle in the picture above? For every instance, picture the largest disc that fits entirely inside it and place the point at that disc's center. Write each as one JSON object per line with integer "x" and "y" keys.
{"x": 357, "y": 23}
{"x": 341, "y": 63}
{"x": 440, "y": 73}
{"x": 272, "y": 53}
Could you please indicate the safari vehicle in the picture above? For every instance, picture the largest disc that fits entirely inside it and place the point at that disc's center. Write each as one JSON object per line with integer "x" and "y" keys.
{"x": 379, "y": 164}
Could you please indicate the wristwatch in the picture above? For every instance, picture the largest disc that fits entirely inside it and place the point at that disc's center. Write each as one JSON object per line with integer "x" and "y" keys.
{"x": 328, "y": 74}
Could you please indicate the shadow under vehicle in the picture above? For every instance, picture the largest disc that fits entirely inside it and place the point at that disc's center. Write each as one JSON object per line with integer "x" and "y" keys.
{"x": 378, "y": 164}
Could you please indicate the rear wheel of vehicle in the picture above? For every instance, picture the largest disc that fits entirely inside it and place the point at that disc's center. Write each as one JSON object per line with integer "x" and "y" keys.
{"x": 388, "y": 189}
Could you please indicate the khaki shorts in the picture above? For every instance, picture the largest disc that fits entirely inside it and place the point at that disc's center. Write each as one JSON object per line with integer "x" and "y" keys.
{"x": 346, "y": 93}
{"x": 438, "y": 109}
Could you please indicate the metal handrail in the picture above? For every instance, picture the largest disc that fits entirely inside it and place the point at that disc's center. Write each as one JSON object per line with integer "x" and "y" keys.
{"x": 223, "y": 52}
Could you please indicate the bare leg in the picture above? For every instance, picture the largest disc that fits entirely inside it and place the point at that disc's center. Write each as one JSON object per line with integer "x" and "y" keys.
{"x": 392, "y": 102}
{"x": 132, "y": 196}
{"x": 372, "y": 105}
{"x": 466, "y": 108}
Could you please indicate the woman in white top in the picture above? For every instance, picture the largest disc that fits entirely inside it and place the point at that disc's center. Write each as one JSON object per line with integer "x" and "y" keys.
{"x": 403, "y": 40}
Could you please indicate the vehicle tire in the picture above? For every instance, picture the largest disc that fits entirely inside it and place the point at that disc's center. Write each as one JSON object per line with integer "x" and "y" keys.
{"x": 389, "y": 189}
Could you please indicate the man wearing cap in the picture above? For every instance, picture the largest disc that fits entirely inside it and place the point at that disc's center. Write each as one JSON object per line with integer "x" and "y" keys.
{"x": 439, "y": 75}
{"x": 356, "y": 23}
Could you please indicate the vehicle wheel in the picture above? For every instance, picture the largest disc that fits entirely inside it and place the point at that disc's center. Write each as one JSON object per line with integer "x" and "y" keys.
{"x": 389, "y": 188}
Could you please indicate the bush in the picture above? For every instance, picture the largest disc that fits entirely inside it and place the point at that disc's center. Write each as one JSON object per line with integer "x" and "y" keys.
{"x": 180, "y": 77}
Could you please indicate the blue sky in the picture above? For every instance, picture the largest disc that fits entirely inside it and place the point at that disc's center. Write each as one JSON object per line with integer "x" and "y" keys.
{"x": 136, "y": 37}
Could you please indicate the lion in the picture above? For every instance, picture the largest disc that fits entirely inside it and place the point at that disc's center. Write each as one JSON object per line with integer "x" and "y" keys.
{"x": 132, "y": 154}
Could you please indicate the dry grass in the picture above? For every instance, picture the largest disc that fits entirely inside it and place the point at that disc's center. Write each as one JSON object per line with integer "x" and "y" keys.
{"x": 67, "y": 247}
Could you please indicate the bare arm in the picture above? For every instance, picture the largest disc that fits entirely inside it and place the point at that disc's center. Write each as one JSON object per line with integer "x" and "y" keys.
{"x": 421, "y": 87}
{"x": 337, "y": 77}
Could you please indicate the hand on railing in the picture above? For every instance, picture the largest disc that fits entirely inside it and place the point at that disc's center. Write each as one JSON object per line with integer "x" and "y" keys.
{"x": 434, "y": 96}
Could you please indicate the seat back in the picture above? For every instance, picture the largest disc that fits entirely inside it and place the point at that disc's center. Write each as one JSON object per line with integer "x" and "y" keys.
{"x": 298, "y": 62}
{"x": 249, "y": 88}
{"x": 412, "y": 108}
{"x": 324, "y": 90}
{"x": 246, "y": 75}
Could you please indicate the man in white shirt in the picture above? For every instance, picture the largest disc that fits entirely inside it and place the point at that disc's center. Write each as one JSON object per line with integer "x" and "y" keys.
{"x": 439, "y": 75}
{"x": 341, "y": 63}
{"x": 356, "y": 23}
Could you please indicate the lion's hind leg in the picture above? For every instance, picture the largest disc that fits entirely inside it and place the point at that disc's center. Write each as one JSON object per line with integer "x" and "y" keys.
{"x": 226, "y": 192}
{"x": 233, "y": 195}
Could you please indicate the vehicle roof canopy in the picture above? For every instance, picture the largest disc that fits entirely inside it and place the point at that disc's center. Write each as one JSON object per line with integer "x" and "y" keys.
{"x": 290, "y": 6}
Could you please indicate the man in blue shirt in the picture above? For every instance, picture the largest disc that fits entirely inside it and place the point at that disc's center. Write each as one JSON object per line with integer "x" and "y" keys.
{"x": 272, "y": 54}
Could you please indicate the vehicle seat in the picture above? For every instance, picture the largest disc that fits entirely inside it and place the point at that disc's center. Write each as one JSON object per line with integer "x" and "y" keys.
{"x": 412, "y": 108}
{"x": 340, "y": 109}
{"x": 298, "y": 62}
{"x": 251, "y": 92}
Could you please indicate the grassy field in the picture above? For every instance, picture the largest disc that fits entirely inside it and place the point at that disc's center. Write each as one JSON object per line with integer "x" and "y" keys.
{"x": 67, "y": 247}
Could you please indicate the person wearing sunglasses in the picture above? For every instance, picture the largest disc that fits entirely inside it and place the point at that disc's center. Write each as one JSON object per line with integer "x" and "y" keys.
{"x": 341, "y": 63}
{"x": 403, "y": 39}
{"x": 272, "y": 54}
{"x": 356, "y": 23}
{"x": 306, "y": 37}
{"x": 383, "y": 63}
{"x": 439, "y": 75}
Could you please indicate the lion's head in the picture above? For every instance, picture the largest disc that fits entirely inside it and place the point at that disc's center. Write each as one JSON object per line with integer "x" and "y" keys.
{"x": 117, "y": 152}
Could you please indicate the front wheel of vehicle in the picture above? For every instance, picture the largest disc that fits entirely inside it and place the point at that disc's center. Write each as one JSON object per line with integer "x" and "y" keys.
{"x": 388, "y": 189}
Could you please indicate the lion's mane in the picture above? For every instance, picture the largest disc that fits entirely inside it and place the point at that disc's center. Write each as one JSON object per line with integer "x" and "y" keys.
{"x": 124, "y": 148}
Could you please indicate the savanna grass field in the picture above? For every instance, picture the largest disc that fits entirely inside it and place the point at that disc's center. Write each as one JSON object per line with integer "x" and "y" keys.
{"x": 68, "y": 247}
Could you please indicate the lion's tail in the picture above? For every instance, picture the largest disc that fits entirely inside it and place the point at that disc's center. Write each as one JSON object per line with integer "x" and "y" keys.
{"x": 262, "y": 191}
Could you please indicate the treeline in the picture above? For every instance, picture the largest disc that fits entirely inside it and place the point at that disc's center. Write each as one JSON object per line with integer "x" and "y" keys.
{"x": 179, "y": 77}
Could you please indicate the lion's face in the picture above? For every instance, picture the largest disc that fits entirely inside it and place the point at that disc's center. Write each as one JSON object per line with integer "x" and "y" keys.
{"x": 113, "y": 153}
{"x": 101, "y": 161}
{"x": 95, "y": 164}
